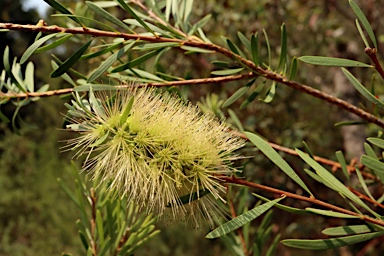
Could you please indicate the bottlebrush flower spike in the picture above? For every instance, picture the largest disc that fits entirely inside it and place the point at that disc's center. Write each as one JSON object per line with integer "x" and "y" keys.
{"x": 155, "y": 149}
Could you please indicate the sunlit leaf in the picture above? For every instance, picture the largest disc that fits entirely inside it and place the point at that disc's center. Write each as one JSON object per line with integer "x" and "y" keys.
{"x": 61, "y": 8}
{"x": 31, "y": 49}
{"x": 134, "y": 15}
{"x": 106, "y": 15}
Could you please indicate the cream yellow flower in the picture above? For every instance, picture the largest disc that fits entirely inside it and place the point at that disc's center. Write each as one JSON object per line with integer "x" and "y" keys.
{"x": 154, "y": 149}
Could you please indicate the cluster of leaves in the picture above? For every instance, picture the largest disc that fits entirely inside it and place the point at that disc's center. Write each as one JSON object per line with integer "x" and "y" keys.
{"x": 166, "y": 26}
{"x": 108, "y": 224}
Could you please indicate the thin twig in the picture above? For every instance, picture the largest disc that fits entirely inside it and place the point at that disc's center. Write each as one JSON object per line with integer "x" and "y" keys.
{"x": 239, "y": 231}
{"x": 366, "y": 198}
{"x": 204, "y": 45}
{"x": 209, "y": 80}
{"x": 371, "y": 52}
{"x": 333, "y": 164}
{"x": 93, "y": 222}
{"x": 312, "y": 200}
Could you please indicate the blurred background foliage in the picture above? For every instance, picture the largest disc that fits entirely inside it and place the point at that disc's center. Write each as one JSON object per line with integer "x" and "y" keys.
{"x": 37, "y": 218}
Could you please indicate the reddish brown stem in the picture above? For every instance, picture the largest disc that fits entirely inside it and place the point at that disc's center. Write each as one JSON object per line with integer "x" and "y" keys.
{"x": 209, "y": 80}
{"x": 371, "y": 52}
{"x": 204, "y": 45}
{"x": 93, "y": 222}
{"x": 312, "y": 200}
{"x": 239, "y": 231}
{"x": 366, "y": 198}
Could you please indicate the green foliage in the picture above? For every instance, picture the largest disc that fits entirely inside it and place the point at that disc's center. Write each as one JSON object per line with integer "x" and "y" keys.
{"x": 173, "y": 43}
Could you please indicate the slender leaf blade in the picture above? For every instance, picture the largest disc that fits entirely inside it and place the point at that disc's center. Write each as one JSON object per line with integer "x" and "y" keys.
{"x": 332, "y": 62}
{"x": 276, "y": 159}
{"x": 31, "y": 49}
{"x": 67, "y": 64}
{"x": 364, "y": 91}
{"x": 109, "y": 62}
{"x": 241, "y": 220}
{"x": 332, "y": 243}
{"x": 360, "y": 15}
{"x": 347, "y": 230}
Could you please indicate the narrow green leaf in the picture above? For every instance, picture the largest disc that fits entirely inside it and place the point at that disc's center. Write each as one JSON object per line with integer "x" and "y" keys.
{"x": 271, "y": 93}
{"x": 347, "y": 230}
{"x": 332, "y": 62}
{"x": 53, "y": 45}
{"x": 134, "y": 15}
{"x": 31, "y": 49}
{"x": 360, "y": 15}
{"x": 376, "y": 141}
{"x": 283, "y": 50}
{"x": 104, "y": 247}
{"x": 126, "y": 111}
{"x": 106, "y": 15}
{"x": 293, "y": 71}
{"x": 369, "y": 150}
{"x": 68, "y": 191}
{"x": 276, "y": 158}
{"x": 96, "y": 105}
{"x": 253, "y": 95}
{"x": 333, "y": 181}
{"x": 255, "y": 48}
{"x": 67, "y": 64}
{"x": 136, "y": 61}
{"x": 272, "y": 247}
{"x": 99, "y": 226}
{"x": 236, "y": 120}
{"x": 154, "y": 46}
{"x": 323, "y": 244}
{"x": 8, "y": 70}
{"x": 268, "y": 46}
{"x": 283, "y": 207}
{"x": 244, "y": 41}
{"x": 367, "y": 94}
{"x": 374, "y": 165}
{"x": 107, "y": 49}
{"x": 340, "y": 158}
{"x": 29, "y": 77}
{"x": 191, "y": 49}
{"x": 240, "y": 92}
{"x": 307, "y": 149}
{"x": 363, "y": 183}
{"x": 65, "y": 76}
{"x": 361, "y": 32}
{"x": 331, "y": 213}
{"x": 109, "y": 62}
{"x": 241, "y": 220}
{"x": 144, "y": 74}
{"x": 59, "y": 7}
{"x": 234, "y": 48}
{"x": 348, "y": 123}
{"x": 83, "y": 240}
{"x": 227, "y": 72}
